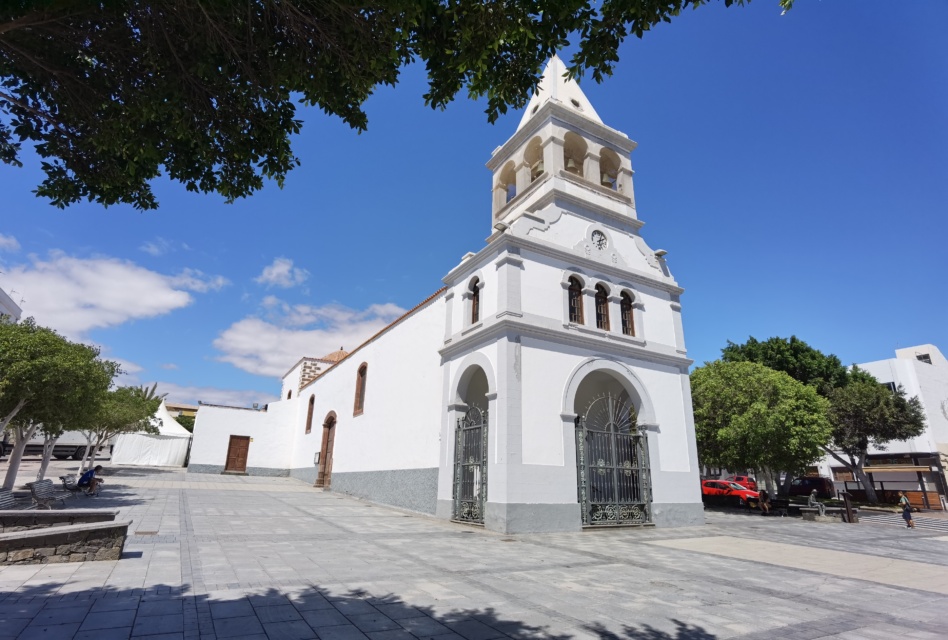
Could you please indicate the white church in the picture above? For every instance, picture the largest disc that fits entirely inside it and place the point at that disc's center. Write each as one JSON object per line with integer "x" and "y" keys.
{"x": 543, "y": 388}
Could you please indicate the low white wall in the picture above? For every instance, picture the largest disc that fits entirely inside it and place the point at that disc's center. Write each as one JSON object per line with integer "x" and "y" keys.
{"x": 269, "y": 430}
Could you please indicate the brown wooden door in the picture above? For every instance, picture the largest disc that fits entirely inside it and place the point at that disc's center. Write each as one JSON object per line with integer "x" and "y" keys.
{"x": 237, "y": 454}
{"x": 324, "y": 475}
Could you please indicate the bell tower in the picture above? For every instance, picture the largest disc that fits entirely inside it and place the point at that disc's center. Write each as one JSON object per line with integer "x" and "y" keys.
{"x": 560, "y": 136}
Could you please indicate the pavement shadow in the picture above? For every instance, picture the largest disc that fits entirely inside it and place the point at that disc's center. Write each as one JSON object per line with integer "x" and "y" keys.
{"x": 682, "y": 631}
{"x": 49, "y": 610}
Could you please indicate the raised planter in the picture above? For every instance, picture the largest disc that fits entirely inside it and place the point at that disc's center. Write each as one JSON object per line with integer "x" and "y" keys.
{"x": 17, "y": 520}
{"x": 68, "y": 543}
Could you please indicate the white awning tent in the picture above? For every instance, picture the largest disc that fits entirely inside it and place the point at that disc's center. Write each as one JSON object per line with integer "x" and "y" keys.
{"x": 168, "y": 448}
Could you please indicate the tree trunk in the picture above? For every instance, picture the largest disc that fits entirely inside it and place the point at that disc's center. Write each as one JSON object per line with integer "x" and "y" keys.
{"x": 90, "y": 439}
{"x": 785, "y": 485}
{"x": 7, "y": 418}
{"x": 863, "y": 478}
{"x": 23, "y": 435}
{"x": 855, "y": 465}
{"x": 48, "y": 445}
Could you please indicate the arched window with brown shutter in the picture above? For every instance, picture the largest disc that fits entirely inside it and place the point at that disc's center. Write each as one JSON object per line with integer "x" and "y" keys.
{"x": 361, "y": 376}
{"x": 575, "y": 301}
{"x": 289, "y": 394}
{"x": 602, "y": 308}
{"x": 309, "y": 413}
{"x": 628, "y": 322}
{"x": 475, "y": 301}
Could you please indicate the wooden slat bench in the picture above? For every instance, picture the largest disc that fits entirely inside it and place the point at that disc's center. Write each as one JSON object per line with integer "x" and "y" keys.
{"x": 44, "y": 493}
{"x": 8, "y": 501}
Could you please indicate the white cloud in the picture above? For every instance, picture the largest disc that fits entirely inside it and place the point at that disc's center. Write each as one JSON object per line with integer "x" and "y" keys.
{"x": 194, "y": 280}
{"x": 157, "y": 247}
{"x": 213, "y": 395}
{"x": 271, "y": 346}
{"x": 77, "y": 295}
{"x": 282, "y": 274}
{"x": 9, "y": 243}
{"x": 170, "y": 366}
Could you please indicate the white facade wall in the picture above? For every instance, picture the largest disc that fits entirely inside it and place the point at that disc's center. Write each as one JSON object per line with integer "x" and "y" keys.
{"x": 400, "y": 422}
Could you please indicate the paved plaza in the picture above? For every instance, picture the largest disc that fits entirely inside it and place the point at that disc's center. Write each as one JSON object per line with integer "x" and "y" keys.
{"x": 251, "y": 557}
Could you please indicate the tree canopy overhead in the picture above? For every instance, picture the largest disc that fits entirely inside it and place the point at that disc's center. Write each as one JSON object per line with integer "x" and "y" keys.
{"x": 114, "y": 93}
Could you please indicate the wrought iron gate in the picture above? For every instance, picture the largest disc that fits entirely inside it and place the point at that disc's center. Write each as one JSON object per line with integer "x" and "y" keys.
{"x": 470, "y": 466}
{"x": 612, "y": 461}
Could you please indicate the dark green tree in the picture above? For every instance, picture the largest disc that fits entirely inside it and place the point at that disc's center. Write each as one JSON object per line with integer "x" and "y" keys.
{"x": 792, "y": 356}
{"x": 114, "y": 93}
{"x": 865, "y": 413}
{"x": 748, "y": 416}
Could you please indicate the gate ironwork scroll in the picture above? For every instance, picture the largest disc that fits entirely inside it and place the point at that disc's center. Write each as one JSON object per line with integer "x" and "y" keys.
{"x": 612, "y": 463}
{"x": 470, "y": 466}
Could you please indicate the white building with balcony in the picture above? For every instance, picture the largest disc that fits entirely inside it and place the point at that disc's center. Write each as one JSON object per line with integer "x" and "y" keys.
{"x": 916, "y": 466}
{"x": 543, "y": 388}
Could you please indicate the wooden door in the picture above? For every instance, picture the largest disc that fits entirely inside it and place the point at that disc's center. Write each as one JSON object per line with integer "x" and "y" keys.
{"x": 324, "y": 474}
{"x": 237, "y": 454}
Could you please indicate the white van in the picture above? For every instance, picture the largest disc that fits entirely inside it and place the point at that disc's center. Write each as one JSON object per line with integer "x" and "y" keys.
{"x": 72, "y": 444}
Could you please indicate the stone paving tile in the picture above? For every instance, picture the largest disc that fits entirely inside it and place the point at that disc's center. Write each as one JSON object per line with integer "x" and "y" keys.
{"x": 120, "y": 633}
{"x": 49, "y": 632}
{"x": 237, "y": 627}
{"x": 343, "y": 632}
{"x": 108, "y": 620}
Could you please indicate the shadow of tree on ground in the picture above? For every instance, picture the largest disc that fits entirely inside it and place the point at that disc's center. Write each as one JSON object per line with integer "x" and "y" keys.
{"x": 54, "y": 610}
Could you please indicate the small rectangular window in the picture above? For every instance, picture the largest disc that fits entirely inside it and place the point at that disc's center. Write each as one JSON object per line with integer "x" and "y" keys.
{"x": 924, "y": 357}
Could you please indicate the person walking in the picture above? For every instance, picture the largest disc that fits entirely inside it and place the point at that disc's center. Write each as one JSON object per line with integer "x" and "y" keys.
{"x": 906, "y": 510}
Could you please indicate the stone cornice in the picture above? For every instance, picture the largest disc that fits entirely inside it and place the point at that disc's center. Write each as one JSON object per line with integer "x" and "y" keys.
{"x": 580, "y": 261}
{"x": 547, "y": 329}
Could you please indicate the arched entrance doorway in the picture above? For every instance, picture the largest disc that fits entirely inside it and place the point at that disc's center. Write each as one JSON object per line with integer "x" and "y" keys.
{"x": 324, "y": 472}
{"x": 470, "y": 448}
{"x": 613, "y": 478}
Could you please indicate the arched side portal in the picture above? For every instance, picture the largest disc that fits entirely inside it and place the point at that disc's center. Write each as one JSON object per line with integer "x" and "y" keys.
{"x": 612, "y": 464}
{"x": 471, "y": 447}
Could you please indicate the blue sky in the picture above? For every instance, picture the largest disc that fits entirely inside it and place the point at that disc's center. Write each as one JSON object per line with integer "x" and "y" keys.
{"x": 795, "y": 168}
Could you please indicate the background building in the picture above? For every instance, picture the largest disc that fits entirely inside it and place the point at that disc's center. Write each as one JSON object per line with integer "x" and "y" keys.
{"x": 916, "y": 465}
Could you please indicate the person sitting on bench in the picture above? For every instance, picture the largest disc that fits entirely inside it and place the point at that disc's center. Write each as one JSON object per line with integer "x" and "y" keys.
{"x": 814, "y": 503}
{"x": 89, "y": 482}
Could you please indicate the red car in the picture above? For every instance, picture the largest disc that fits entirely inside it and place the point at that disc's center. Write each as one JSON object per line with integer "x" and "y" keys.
{"x": 725, "y": 492}
{"x": 745, "y": 481}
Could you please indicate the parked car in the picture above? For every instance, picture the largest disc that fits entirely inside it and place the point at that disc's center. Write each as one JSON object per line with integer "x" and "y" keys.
{"x": 726, "y": 493}
{"x": 745, "y": 481}
{"x": 803, "y": 486}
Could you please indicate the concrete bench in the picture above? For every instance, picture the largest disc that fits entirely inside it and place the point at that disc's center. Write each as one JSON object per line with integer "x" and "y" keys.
{"x": 8, "y": 501}
{"x": 832, "y": 514}
{"x": 72, "y": 543}
{"x": 44, "y": 493}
